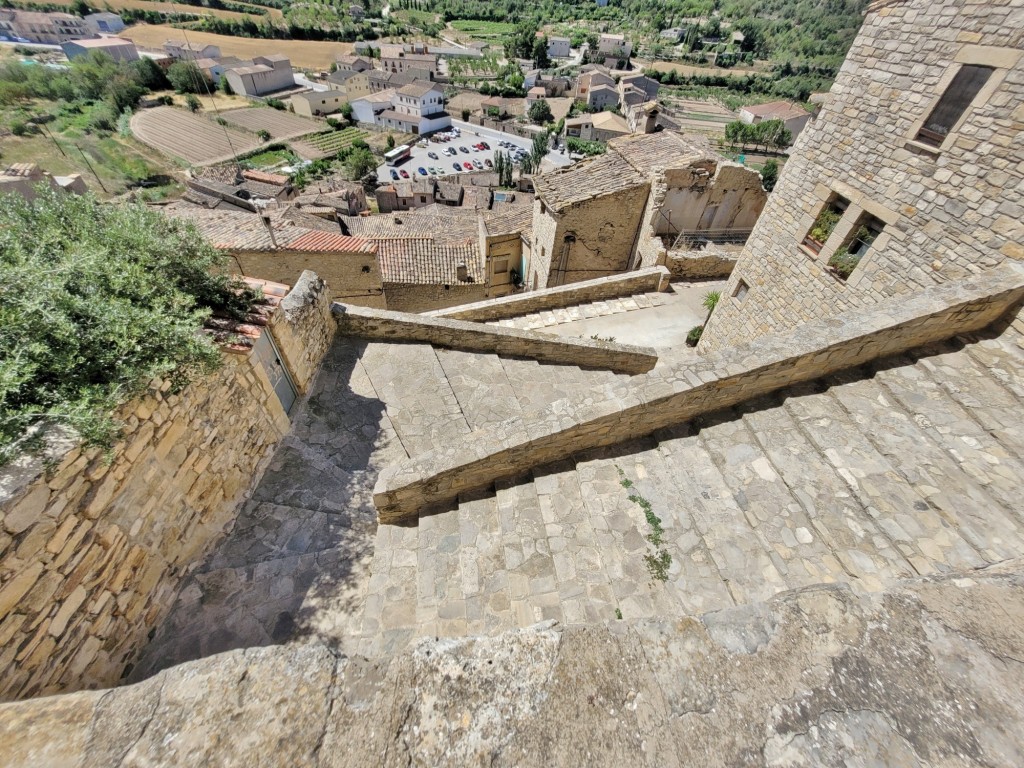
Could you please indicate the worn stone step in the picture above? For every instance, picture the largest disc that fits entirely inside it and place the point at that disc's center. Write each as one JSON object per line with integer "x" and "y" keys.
{"x": 866, "y": 557}
{"x": 481, "y": 386}
{"x": 485, "y": 583}
{"x": 742, "y": 556}
{"x": 976, "y": 451}
{"x": 694, "y": 585}
{"x": 420, "y": 402}
{"x": 963, "y": 504}
{"x": 928, "y": 541}
{"x": 389, "y": 616}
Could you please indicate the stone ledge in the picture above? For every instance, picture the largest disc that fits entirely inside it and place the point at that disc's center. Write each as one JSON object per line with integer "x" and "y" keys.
{"x": 385, "y": 325}
{"x": 675, "y": 394}
{"x": 816, "y": 676}
{"x": 645, "y": 280}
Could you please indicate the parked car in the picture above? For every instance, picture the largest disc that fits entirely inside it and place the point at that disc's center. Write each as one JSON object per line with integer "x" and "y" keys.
{"x": 463, "y": 149}
{"x": 456, "y": 166}
{"x": 432, "y": 155}
{"x": 478, "y": 165}
{"x": 467, "y": 166}
{"x": 434, "y": 170}
{"x": 421, "y": 171}
{"x": 488, "y": 163}
{"x": 394, "y": 175}
{"x": 484, "y": 145}
{"x": 405, "y": 173}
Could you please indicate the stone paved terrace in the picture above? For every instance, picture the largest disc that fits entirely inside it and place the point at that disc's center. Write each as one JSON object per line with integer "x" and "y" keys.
{"x": 908, "y": 467}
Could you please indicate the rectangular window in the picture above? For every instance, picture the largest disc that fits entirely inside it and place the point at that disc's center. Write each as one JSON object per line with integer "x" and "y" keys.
{"x": 741, "y": 290}
{"x": 826, "y": 221}
{"x": 848, "y": 256}
{"x": 962, "y": 91}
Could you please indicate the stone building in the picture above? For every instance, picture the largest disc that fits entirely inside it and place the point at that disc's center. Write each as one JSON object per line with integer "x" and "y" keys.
{"x": 105, "y": 22}
{"x": 793, "y": 116}
{"x": 115, "y": 47}
{"x": 318, "y": 103}
{"x": 869, "y": 208}
{"x": 43, "y": 28}
{"x": 181, "y": 49}
{"x": 611, "y": 213}
{"x": 266, "y": 74}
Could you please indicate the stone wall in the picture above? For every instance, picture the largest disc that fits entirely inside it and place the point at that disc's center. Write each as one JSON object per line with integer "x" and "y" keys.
{"x": 711, "y": 262}
{"x": 813, "y": 677}
{"x": 674, "y": 394}
{"x": 384, "y": 325}
{"x": 706, "y": 196}
{"x": 602, "y": 234}
{"x": 304, "y": 328}
{"x": 354, "y": 278}
{"x": 642, "y": 281}
{"x": 94, "y": 547}
{"x": 415, "y": 297}
{"x": 949, "y": 212}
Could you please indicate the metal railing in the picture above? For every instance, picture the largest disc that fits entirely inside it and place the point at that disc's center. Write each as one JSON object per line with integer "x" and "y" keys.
{"x": 695, "y": 239}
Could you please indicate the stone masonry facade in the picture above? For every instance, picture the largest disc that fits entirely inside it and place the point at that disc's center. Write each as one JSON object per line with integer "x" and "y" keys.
{"x": 948, "y": 211}
{"x": 93, "y": 547}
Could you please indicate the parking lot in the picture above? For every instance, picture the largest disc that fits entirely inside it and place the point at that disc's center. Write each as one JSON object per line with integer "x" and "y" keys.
{"x": 445, "y": 163}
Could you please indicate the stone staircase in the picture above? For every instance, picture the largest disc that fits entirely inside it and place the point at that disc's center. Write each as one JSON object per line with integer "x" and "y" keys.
{"x": 539, "y": 320}
{"x": 907, "y": 467}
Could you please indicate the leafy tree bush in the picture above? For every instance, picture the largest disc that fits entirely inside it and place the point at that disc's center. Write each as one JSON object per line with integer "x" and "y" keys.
{"x": 389, "y": 142}
{"x": 192, "y": 102}
{"x": 540, "y": 112}
{"x": 263, "y": 134}
{"x": 225, "y": 86}
{"x": 581, "y": 147}
{"x": 770, "y": 174}
{"x": 360, "y": 161}
{"x": 693, "y": 335}
{"x": 277, "y": 104}
{"x": 186, "y": 77}
{"x": 465, "y": 115}
{"x": 98, "y": 301}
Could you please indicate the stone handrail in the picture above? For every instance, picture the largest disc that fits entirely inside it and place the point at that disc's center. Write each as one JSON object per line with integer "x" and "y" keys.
{"x": 385, "y": 325}
{"x": 645, "y": 280}
{"x": 672, "y": 395}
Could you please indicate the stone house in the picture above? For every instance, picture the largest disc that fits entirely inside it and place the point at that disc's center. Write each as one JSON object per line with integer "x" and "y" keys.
{"x": 643, "y": 118}
{"x": 602, "y": 96}
{"x": 417, "y": 108}
{"x": 367, "y": 109}
{"x": 23, "y": 178}
{"x": 266, "y": 75}
{"x": 349, "y": 63}
{"x": 396, "y": 60}
{"x": 558, "y": 47}
{"x": 381, "y": 80}
{"x": 355, "y": 84}
{"x": 868, "y": 209}
{"x": 614, "y": 46}
{"x": 792, "y": 115}
{"x": 405, "y": 195}
{"x": 42, "y": 28}
{"x": 602, "y": 126}
{"x": 612, "y": 213}
{"x": 590, "y": 77}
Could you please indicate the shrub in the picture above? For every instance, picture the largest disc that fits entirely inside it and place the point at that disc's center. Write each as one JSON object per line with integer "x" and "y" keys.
{"x": 693, "y": 336}
{"x": 20, "y": 128}
{"x": 99, "y": 300}
{"x": 276, "y": 104}
{"x": 263, "y": 134}
{"x": 825, "y": 223}
{"x": 186, "y": 77}
{"x": 710, "y": 301}
{"x": 770, "y": 174}
{"x": 192, "y": 102}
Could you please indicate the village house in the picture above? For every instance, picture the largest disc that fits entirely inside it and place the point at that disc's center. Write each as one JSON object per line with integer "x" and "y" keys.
{"x": 591, "y": 76}
{"x": 602, "y": 96}
{"x": 792, "y": 115}
{"x": 116, "y": 48}
{"x": 105, "y": 23}
{"x": 353, "y": 83}
{"x": 601, "y": 126}
{"x": 24, "y": 178}
{"x": 416, "y": 108}
{"x": 614, "y": 46}
{"x": 179, "y": 49}
{"x": 558, "y": 47}
{"x": 612, "y": 213}
{"x": 318, "y": 103}
{"x": 396, "y": 59}
{"x": 266, "y": 74}
{"x": 43, "y": 28}
{"x": 349, "y": 63}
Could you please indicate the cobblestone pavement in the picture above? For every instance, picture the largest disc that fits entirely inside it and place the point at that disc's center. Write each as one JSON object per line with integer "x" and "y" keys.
{"x": 907, "y": 467}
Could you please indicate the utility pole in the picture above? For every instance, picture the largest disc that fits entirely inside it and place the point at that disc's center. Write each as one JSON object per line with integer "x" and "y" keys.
{"x": 50, "y": 136}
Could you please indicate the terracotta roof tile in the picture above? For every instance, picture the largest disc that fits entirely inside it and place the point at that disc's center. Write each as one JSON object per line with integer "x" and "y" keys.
{"x": 327, "y": 242}
{"x": 266, "y": 178}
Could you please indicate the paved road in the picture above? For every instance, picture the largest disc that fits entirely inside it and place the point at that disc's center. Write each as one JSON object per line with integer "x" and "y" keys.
{"x": 471, "y": 134}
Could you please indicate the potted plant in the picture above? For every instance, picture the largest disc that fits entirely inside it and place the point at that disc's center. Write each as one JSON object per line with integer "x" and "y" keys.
{"x": 843, "y": 262}
{"x": 822, "y": 228}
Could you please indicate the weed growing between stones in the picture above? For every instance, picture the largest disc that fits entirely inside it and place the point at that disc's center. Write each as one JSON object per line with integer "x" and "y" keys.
{"x": 659, "y": 563}
{"x": 618, "y": 614}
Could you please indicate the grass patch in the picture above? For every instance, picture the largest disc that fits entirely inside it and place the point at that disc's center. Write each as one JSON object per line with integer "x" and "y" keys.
{"x": 271, "y": 158}
{"x": 658, "y": 562}
{"x": 485, "y": 30}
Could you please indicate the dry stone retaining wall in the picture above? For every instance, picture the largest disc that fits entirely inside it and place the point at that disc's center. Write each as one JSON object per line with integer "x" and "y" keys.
{"x": 701, "y": 265}
{"x": 93, "y": 548}
{"x": 948, "y": 214}
{"x": 384, "y": 325}
{"x": 642, "y": 281}
{"x": 675, "y": 394}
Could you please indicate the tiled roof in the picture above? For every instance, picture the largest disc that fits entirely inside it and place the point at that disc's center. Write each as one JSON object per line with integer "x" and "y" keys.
{"x": 266, "y": 178}
{"x": 588, "y": 179}
{"x": 425, "y": 261}
{"x": 398, "y": 117}
{"x": 609, "y": 121}
{"x": 418, "y": 89}
{"x": 511, "y": 219}
{"x": 327, "y": 242}
{"x": 103, "y": 42}
{"x": 664, "y": 149}
{"x": 440, "y": 222}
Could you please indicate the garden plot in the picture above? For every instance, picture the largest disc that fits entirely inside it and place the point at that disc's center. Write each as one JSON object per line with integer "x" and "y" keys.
{"x": 328, "y": 144}
{"x": 278, "y": 123}
{"x": 194, "y": 138}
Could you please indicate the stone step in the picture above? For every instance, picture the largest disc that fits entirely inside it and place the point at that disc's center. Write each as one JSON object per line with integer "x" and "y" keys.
{"x": 745, "y": 562}
{"x": 420, "y": 402}
{"x": 962, "y": 503}
{"x": 481, "y": 386}
{"x": 866, "y": 557}
{"x": 923, "y": 536}
{"x": 976, "y": 452}
{"x": 694, "y": 585}
{"x": 389, "y": 618}
{"x": 485, "y": 583}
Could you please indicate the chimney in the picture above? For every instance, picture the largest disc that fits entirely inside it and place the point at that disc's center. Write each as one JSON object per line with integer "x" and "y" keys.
{"x": 270, "y": 229}
{"x": 463, "y": 273}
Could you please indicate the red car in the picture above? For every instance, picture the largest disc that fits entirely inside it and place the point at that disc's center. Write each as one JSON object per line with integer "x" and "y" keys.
{"x": 467, "y": 166}
{"x": 405, "y": 174}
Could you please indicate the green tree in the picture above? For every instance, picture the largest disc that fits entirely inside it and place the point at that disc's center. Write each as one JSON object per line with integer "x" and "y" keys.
{"x": 360, "y": 162}
{"x": 98, "y": 301}
{"x": 347, "y": 112}
{"x": 192, "y": 102}
{"x": 148, "y": 74}
{"x": 123, "y": 93}
{"x": 186, "y": 77}
{"x": 263, "y": 134}
{"x": 541, "y": 60}
{"x": 540, "y": 112}
{"x": 225, "y": 86}
{"x": 92, "y": 73}
{"x": 770, "y": 174}
{"x": 465, "y": 115}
